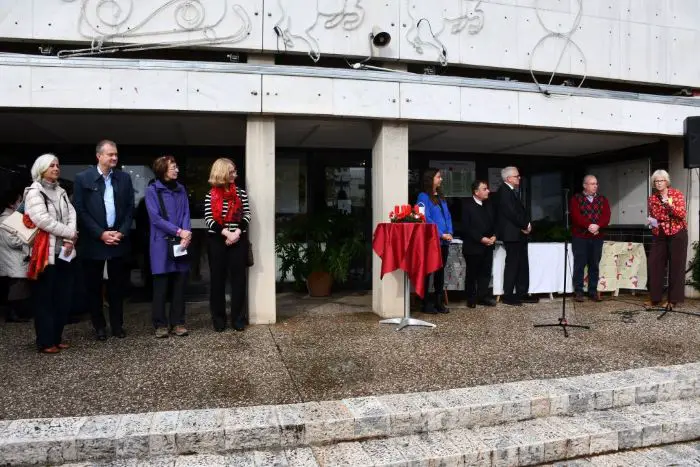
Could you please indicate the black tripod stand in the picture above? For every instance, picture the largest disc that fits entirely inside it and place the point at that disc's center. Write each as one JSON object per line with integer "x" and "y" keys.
{"x": 669, "y": 306}
{"x": 562, "y": 321}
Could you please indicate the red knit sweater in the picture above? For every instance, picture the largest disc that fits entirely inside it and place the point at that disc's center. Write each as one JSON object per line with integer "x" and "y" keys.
{"x": 584, "y": 213}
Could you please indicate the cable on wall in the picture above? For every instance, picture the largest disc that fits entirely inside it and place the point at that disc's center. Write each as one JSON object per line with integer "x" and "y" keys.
{"x": 188, "y": 16}
{"x": 471, "y": 19}
{"x": 566, "y": 37}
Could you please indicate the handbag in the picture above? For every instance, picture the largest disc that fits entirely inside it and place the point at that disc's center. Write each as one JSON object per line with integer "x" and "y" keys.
{"x": 171, "y": 241}
{"x": 250, "y": 261}
{"x": 14, "y": 224}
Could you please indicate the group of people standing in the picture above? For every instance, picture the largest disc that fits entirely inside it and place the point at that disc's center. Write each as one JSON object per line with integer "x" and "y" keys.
{"x": 506, "y": 219}
{"x": 97, "y": 225}
{"x": 483, "y": 223}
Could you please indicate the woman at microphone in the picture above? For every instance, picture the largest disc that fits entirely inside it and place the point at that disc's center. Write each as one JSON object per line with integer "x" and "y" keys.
{"x": 667, "y": 218}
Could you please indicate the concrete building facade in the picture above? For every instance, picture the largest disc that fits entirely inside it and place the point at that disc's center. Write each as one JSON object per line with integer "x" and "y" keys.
{"x": 511, "y": 81}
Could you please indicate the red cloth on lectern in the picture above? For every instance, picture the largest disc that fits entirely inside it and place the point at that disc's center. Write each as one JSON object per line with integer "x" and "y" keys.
{"x": 412, "y": 247}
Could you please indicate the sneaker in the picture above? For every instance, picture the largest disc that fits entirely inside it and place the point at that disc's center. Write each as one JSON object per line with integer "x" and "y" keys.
{"x": 180, "y": 331}
{"x": 161, "y": 333}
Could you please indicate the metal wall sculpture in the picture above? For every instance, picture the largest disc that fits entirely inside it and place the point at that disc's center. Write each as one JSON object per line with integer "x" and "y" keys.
{"x": 109, "y": 21}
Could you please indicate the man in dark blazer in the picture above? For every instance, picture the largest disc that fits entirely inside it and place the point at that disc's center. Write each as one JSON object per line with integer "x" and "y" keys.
{"x": 104, "y": 203}
{"x": 480, "y": 237}
{"x": 512, "y": 228}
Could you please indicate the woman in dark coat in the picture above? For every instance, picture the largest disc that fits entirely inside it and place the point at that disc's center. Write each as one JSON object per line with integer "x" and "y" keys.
{"x": 166, "y": 194}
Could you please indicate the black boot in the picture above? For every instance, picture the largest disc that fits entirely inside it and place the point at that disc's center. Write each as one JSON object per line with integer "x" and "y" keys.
{"x": 440, "y": 302}
{"x": 428, "y": 306}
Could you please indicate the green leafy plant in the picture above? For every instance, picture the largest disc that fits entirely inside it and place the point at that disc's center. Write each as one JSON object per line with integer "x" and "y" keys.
{"x": 327, "y": 241}
{"x": 694, "y": 266}
{"x": 549, "y": 231}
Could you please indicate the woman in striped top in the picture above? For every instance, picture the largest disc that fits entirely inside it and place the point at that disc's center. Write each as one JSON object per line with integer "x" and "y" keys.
{"x": 227, "y": 215}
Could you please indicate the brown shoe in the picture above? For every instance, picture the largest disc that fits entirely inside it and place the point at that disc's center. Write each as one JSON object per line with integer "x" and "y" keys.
{"x": 595, "y": 298}
{"x": 63, "y": 346}
{"x": 180, "y": 331}
{"x": 161, "y": 333}
{"x": 50, "y": 350}
{"x": 579, "y": 297}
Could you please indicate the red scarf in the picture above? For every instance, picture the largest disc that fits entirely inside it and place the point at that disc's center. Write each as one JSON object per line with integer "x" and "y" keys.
{"x": 40, "y": 250}
{"x": 235, "y": 207}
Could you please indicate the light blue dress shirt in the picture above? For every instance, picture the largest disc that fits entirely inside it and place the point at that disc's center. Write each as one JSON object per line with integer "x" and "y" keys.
{"x": 110, "y": 210}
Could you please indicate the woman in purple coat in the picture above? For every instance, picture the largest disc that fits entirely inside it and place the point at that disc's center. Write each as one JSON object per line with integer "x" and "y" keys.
{"x": 169, "y": 213}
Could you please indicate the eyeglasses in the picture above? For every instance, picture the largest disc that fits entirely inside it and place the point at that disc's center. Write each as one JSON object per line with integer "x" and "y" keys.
{"x": 660, "y": 181}
{"x": 516, "y": 176}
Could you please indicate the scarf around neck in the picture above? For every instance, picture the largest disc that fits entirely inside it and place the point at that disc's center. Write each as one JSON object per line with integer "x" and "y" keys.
{"x": 219, "y": 195}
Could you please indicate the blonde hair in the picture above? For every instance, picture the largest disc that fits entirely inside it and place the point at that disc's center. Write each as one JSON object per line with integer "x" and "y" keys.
{"x": 218, "y": 176}
{"x": 41, "y": 165}
{"x": 662, "y": 174}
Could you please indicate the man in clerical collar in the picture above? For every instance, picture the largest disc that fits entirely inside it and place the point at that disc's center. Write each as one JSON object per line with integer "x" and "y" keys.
{"x": 590, "y": 212}
{"x": 480, "y": 238}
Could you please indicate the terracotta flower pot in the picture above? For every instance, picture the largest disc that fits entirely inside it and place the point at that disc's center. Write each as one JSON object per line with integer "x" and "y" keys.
{"x": 319, "y": 284}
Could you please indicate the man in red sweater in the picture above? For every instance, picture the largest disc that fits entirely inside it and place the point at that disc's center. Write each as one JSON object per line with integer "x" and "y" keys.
{"x": 590, "y": 212}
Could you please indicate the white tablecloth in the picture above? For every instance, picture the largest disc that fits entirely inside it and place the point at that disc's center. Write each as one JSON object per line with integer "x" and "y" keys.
{"x": 546, "y": 268}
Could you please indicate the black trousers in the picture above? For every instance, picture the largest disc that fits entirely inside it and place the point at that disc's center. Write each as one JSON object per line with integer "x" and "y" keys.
{"x": 438, "y": 277}
{"x": 587, "y": 252}
{"x": 516, "y": 275}
{"x": 174, "y": 283}
{"x": 227, "y": 262}
{"x": 116, "y": 288}
{"x": 668, "y": 252}
{"x": 52, "y": 295}
{"x": 478, "y": 277}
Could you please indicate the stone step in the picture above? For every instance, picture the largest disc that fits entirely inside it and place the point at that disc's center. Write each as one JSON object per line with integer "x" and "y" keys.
{"x": 673, "y": 454}
{"x": 558, "y": 440}
{"x": 213, "y": 431}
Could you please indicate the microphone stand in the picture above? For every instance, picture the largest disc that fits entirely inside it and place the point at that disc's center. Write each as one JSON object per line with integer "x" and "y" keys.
{"x": 563, "y": 322}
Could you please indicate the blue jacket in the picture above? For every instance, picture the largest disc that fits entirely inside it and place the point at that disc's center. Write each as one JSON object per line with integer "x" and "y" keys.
{"x": 88, "y": 198}
{"x": 434, "y": 215}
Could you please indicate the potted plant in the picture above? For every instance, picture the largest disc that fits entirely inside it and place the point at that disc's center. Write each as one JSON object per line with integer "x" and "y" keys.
{"x": 318, "y": 250}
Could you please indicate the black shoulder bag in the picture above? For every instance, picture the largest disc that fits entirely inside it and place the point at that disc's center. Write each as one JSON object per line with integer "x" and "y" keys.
{"x": 170, "y": 240}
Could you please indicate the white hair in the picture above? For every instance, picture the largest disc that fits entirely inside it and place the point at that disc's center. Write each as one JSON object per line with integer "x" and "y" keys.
{"x": 507, "y": 172}
{"x": 589, "y": 177}
{"x": 660, "y": 174}
{"x": 41, "y": 165}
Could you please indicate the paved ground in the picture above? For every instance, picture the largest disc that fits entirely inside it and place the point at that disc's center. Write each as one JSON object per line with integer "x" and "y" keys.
{"x": 327, "y": 351}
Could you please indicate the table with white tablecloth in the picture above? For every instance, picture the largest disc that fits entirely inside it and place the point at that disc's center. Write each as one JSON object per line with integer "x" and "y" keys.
{"x": 546, "y": 268}
{"x": 623, "y": 265}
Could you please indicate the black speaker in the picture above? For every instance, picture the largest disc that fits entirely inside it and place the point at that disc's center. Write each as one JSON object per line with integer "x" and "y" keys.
{"x": 691, "y": 143}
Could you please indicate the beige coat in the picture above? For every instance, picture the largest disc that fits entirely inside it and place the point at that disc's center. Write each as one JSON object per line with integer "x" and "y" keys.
{"x": 45, "y": 213}
{"x": 13, "y": 252}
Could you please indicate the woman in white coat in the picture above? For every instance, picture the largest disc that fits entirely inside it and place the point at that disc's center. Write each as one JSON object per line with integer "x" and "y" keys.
{"x": 14, "y": 258}
{"x": 48, "y": 207}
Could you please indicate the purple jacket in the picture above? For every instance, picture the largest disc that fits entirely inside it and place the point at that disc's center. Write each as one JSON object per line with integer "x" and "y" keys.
{"x": 178, "y": 210}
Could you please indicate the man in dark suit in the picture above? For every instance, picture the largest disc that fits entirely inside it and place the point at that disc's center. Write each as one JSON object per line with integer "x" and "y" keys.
{"x": 480, "y": 237}
{"x": 512, "y": 228}
{"x": 104, "y": 203}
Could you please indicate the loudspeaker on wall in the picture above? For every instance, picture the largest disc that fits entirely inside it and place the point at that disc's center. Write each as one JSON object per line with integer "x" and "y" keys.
{"x": 691, "y": 142}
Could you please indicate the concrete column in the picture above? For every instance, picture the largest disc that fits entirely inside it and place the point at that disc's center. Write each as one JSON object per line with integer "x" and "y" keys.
{"x": 389, "y": 188}
{"x": 260, "y": 180}
{"x": 685, "y": 180}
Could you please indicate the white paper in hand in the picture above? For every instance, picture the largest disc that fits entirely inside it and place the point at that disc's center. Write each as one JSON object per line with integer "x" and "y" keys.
{"x": 179, "y": 250}
{"x": 653, "y": 222}
{"x": 66, "y": 257}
